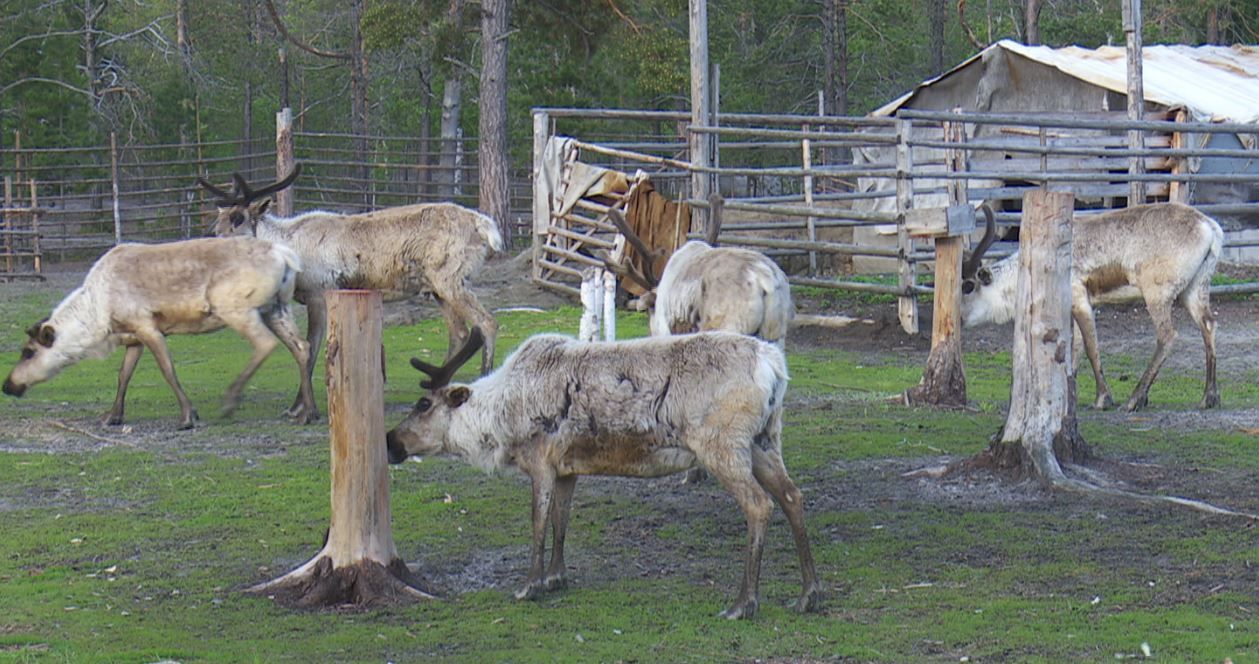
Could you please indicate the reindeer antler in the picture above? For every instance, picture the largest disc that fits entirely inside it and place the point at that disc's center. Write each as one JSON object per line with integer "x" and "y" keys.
{"x": 971, "y": 266}
{"x": 242, "y": 194}
{"x": 440, "y": 376}
{"x": 645, "y": 278}
{"x": 716, "y": 209}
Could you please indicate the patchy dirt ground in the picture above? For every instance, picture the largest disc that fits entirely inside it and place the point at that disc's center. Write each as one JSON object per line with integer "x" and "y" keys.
{"x": 877, "y": 484}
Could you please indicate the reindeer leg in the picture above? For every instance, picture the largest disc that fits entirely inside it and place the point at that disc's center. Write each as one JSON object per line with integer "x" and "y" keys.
{"x": 733, "y": 468}
{"x": 1198, "y": 304}
{"x": 469, "y": 309}
{"x": 281, "y": 323}
{"x": 316, "y": 328}
{"x": 561, "y": 505}
{"x": 769, "y": 470}
{"x": 1082, "y": 312}
{"x": 543, "y": 478}
{"x": 456, "y": 328}
{"x": 156, "y": 343}
{"x": 250, "y": 326}
{"x": 1161, "y": 311}
{"x": 124, "y": 378}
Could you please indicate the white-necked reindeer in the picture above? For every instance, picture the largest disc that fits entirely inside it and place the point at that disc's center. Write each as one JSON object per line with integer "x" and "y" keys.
{"x": 704, "y": 287}
{"x": 425, "y": 248}
{"x": 1166, "y": 251}
{"x": 137, "y": 294}
{"x": 558, "y": 408}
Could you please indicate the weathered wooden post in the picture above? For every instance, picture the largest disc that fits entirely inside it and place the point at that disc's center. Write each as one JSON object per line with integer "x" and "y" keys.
{"x": 358, "y": 563}
{"x": 113, "y": 179}
{"x": 944, "y": 380}
{"x": 1040, "y": 431}
{"x": 284, "y": 160}
{"x": 906, "y": 303}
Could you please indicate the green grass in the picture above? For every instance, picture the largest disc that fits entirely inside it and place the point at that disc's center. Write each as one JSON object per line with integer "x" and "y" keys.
{"x": 139, "y": 553}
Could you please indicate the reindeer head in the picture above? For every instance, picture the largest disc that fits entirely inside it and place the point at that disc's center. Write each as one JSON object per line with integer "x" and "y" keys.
{"x": 974, "y": 276}
{"x": 986, "y": 296}
{"x": 38, "y": 361}
{"x": 424, "y": 431}
{"x": 240, "y": 210}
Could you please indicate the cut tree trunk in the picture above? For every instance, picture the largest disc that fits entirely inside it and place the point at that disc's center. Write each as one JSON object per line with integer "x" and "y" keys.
{"x": 1041, "y": 432}
{"x": 944, "y": 379}
{"x": 358, "y": 564}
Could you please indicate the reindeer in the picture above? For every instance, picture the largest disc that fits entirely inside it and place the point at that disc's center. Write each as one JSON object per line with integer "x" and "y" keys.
{"x": 426, "y": 248}
{"x": 1166, "y": 251}
{"x": 704, "y": 287}
{"x": 559, "y": 408}
{"x": 137, "y": 294}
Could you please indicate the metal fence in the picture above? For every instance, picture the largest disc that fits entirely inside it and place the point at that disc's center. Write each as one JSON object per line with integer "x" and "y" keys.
{"x": 91, "y": 198}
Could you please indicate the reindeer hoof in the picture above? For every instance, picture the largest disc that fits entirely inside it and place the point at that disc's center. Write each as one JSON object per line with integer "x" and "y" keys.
{"x": 1134, "y": 404}
{"x": 555, "y": 582}
{"x": 740, "y": 611}
{"x": 303, "y": 416}
{"x": 810, "y": 601}
{"x": 1210, "y": 401}
{"x": 113, "y": 420}
{"x": 188, "y": 422}
{"x": 695, "y": 476}
{"x": 1104, "y": 402}
{"x": 530, "y": 591}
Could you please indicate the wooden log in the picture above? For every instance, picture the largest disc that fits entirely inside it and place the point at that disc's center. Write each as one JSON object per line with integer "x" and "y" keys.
{"x": 1041, "y": 431}
{"x": 906, "y": 306}
{"x": 358, "y": 564}
{"x": 284, "y": 160}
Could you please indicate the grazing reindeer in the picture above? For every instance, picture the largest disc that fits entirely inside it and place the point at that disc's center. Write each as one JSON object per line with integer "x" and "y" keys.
{"x": 705, "y": 287}
{"x": 558, "y": 408}
{"x": 136, "y": 294}
{"x": 1167, "y": 251}
{"x": 427, "y": 248}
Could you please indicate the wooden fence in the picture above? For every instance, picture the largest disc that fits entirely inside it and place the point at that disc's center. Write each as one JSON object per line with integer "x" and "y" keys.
{"x": 801, "y": 187}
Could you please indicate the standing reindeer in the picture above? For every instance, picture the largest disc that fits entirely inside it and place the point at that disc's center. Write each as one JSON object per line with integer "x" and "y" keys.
{"x": 1167, "y": 251}
{"x": 704, "y": 287}
{"x": 426, "y": 248}
{"x": 559, "y": 408}
{"x": 136, "y": 294}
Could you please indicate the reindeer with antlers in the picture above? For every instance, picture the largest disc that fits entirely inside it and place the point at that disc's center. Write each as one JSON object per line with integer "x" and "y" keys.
{"x": 559, "y": 408}
{"x": 1165, "y": 252}
{"x": 705, "y": 287}
{"x": 427, "y": 248}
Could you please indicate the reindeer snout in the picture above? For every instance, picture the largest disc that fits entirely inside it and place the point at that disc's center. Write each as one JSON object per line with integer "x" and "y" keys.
{"x": 13, "y": 389}
{"x": 397, "y": 453}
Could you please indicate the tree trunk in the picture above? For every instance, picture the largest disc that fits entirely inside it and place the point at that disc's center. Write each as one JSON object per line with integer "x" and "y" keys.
{"x": 181, "y": 35}
{"x": 359, "y": 121}
{"x": 1031, "y": 22}
{"x": 358, "y": 563}
{"x": 1040, "y": 432}
{"x": 935, "y": 9}
{"x": 494, "y": 193}
{"x": 452, "y": 105}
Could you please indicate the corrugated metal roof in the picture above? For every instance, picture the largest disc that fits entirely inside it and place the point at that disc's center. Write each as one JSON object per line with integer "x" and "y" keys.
{"x": 1213, "y": 82}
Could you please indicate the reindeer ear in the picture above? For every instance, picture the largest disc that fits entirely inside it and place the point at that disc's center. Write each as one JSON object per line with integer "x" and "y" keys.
{"x": 457, "y": 395}
{"x": 968, "y": 286}
{"x": 46, "y": 336}
{"x": 260, "y": 208}
{"x": 985, "y": 276}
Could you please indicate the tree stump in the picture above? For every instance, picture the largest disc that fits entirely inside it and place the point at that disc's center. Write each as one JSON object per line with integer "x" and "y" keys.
{"x": 358, "y": 564}
{"x": 944, "y": 380}
{"x": 1041, "y": 431}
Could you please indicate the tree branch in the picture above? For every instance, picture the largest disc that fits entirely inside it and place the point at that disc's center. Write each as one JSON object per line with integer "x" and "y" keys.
{"x": 40, "y": 79}
{"x": 279, "y": 25}
{"x": 961, "y": 19}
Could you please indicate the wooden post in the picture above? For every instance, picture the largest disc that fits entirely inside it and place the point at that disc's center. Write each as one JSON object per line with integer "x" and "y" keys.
{"x": 1040, "y": 431}
{"x": 358, "y": 563}
{"x": 906, "y": 304}
{"x": 541, "y": 206}
{"x": 113, "y": 179}
{"x": 1136, "y": 97}
{"x": 944, "y": 380}
{"x": 1178, "y": 191}
{"x": 284, "y": 160}
{"x": 38, "y": 255}
{"x": 701, "y": 99}
{"x": 9, "y": 216}
{"x": 810, "y": 222}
